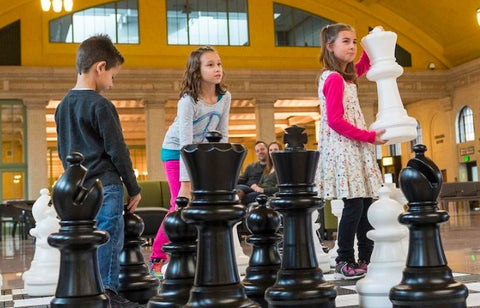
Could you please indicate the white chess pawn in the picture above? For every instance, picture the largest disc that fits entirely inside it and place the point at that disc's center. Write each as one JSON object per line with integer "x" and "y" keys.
{"x": 380, "y": 48}
{"x": 42, "y": 277}
{"x": 337, "y": 210}
{"x": 240, "y": 256}
{"x": 388, "y": 259}
{"x": 322, "y": 257}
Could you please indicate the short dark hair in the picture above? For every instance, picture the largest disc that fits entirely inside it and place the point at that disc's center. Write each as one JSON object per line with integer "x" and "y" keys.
{"x": 95, "y": 49}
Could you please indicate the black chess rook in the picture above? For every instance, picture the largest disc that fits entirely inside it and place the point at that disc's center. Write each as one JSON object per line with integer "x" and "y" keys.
{"x": 300, "y": 282}
{"x": 79, "y": 283}
{"x": 214, "y": 210}
{"x": 427, "y": 280}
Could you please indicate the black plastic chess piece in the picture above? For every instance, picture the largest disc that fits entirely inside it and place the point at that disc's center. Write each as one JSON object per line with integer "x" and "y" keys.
{"x": 135, "y": 282}
{"x": 300, "y": 281}
{"x": 213, "y": 168}
{"x": 427, "y": 280}
{"x": 79, "y": 282}
{"x": 263, "y": 222}
{"x": 174, "y": 290}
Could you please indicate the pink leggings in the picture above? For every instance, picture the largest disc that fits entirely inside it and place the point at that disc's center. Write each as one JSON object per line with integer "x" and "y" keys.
{"x": 172, "y": 170}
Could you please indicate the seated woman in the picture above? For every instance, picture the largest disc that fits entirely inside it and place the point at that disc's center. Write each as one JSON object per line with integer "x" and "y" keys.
{"x": 268, "y": 181}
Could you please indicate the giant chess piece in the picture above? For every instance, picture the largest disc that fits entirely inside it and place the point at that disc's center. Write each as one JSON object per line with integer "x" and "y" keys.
{"x": 322, "y": 257}
{"x": 240, "y": 256}
{"x": 380, "y": 48}
{"x": 337, "y": 210}
{"x": 174, "y": 290}
{"x": 42, "y": 277}
{"x": 135, "y": 282}
{"x": 79, "y": 283}
{"x": 427, "y": 280}
{"x": 264, "y": 223}
{"x": 300, "y": 281}
{"x": 213, "y": 168}
{"x": 388, "y": 257}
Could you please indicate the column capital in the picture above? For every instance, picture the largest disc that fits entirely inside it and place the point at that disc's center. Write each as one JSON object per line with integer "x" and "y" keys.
{"x": 35, "y": 103}
{"x": 153, "y": 102}
{"x": 264, "y": 102}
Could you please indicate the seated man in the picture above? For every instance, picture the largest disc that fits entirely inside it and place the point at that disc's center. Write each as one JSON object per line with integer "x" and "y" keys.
{"x": 268, "y": 181}
{"x": 254, "y": 171}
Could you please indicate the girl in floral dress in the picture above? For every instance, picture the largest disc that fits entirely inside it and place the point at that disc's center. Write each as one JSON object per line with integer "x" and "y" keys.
{"x": 348, "y": 168}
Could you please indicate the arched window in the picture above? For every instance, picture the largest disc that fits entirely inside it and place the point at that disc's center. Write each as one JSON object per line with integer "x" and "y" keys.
{"x": 294, "y": 27}
{"x": 117, "y": 19}
{"x": 465, "y": 128}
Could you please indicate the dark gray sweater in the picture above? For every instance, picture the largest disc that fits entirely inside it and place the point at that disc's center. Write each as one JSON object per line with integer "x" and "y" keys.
{"x": 88, "y": 123}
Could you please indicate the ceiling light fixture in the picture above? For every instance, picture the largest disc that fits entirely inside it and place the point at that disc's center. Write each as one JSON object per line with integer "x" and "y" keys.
{"x": 57, "y": 5}
{"x": 478, "y": 16}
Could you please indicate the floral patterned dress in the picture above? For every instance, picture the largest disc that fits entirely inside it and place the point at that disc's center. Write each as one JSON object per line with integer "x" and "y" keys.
{"x": 347, "y": 168}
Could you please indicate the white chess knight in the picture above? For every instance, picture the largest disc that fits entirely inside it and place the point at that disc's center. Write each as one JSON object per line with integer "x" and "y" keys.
{"x": 388, "y": 257}
{"x": 42, "y": 277}
{"x": 380, "y": 48}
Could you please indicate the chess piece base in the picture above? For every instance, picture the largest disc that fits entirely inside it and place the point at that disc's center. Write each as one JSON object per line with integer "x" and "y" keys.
{"x": 437, "y": 289}
{"x": 99, "y": 301}
{"x": 232, "y": 296}
{"x": 399, "y": 132}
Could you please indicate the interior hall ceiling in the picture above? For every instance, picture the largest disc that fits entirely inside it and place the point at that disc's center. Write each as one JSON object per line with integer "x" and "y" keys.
{"x": 446, "y": 28}
{"x": 451, "y": 25}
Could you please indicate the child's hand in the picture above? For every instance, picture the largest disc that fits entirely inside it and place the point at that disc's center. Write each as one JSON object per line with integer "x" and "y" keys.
{"x": 185, "y": 190}
{"x": 378, "y": 137}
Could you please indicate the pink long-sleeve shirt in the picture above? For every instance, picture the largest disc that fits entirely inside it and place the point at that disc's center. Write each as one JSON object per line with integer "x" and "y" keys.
{"x": 333, "y": 90}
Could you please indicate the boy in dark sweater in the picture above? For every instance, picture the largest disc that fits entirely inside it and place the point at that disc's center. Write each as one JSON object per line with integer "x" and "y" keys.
{"x": 88, "y": 123}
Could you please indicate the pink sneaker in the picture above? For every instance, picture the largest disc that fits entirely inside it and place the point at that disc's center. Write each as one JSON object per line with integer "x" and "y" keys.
{"x": 362, "y": 266}
{"x": 347, "y": 270}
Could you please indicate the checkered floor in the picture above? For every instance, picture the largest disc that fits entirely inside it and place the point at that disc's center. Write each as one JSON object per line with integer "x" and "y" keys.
{"x": 346, "y": 298}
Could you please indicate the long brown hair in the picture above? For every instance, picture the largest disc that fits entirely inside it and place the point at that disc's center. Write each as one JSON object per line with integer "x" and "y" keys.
{"x": 328, "y": 35}
{"x": 192, "y": 78}
{"x": 269, "y": 165}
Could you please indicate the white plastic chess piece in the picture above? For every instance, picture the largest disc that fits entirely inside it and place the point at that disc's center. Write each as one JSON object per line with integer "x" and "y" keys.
{"x": 397, "y": 195}
{"x": 337, "y": 210}
{"x": 388, "y": 258}
{"x": 240, "y": 256}
{"x": 42, "y": 277}
{"x": 322, "y": 257}
{"x": 380, "y": 48}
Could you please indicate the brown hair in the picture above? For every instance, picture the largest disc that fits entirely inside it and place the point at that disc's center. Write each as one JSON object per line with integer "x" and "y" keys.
{"x": 328, "y": 35}
{"x": 192, "y": 78}
{"x": 95, "y": 49}
{"x": 269, "y": 165}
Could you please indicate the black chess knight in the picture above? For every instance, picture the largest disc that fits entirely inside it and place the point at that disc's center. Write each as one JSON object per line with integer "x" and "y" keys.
{"x": 79, "y": 282}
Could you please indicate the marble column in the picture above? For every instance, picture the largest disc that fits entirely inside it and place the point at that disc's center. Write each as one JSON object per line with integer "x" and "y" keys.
{"x": 265, "y": 120}
{"x": 155, "y": 132}
{"x": 36, "y": 146}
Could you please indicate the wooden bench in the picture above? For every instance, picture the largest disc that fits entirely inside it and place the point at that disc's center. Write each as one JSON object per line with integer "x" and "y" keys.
{"x": 458, "y": 192}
